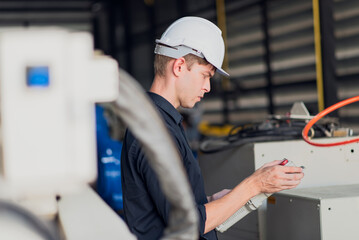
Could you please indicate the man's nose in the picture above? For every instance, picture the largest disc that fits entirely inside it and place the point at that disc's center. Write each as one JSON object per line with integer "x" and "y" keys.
{"x": 207, "y": 85}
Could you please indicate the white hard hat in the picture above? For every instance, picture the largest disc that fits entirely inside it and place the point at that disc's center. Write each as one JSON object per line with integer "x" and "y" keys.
{"x": 193, "y": 35}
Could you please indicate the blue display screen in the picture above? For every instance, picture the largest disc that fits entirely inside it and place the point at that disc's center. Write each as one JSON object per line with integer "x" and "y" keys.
{"x": 37, "y": 76}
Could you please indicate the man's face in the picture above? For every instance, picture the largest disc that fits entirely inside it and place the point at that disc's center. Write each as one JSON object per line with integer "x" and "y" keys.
{"x": 194, "y": 84}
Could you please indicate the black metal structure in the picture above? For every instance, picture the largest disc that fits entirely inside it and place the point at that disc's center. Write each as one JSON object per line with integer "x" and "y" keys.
{"x": 267, "y": 55}
{"x": 328, "y": 45}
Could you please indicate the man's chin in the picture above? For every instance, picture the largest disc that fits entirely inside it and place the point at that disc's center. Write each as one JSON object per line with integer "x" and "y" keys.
{"x": 189, "y": 105}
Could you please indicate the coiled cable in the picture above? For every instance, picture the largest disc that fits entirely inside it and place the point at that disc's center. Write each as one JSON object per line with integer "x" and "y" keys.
{"x": 322, "y": 114}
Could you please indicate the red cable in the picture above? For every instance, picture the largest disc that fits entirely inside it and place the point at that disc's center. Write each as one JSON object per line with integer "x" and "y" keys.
{"x": 322, "y": 114}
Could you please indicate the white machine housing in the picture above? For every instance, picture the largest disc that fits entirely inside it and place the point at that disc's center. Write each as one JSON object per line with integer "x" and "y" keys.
{"x": 50, "y": 79}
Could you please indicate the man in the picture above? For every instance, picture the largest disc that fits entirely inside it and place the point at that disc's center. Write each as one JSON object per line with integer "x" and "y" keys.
{"x": 187, "y": 56}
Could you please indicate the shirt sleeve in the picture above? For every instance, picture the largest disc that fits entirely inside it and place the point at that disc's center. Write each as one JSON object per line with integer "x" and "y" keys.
{"x": 202, "y": 219}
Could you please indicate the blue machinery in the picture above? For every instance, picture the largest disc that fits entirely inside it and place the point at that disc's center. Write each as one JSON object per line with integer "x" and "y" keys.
{"x": 109, "y": 163}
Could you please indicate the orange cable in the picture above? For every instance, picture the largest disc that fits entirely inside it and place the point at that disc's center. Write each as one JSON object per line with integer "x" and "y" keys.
{"x": 322, "y": 114}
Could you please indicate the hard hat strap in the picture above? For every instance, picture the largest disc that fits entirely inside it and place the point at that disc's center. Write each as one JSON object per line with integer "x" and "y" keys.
{"x": 176, "y": 52}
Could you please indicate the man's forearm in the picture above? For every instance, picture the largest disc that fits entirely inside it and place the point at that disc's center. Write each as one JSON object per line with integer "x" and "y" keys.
{"x": 221, "y": 209}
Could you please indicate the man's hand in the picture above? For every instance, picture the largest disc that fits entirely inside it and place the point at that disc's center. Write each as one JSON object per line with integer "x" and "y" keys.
{"x": 272, "y": 177}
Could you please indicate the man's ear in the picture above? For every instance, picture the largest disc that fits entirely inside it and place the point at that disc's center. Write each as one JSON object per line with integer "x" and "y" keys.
{"x": 178, "y": 66}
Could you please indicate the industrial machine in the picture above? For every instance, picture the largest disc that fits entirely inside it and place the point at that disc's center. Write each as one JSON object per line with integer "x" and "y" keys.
{"x": 50, "y": 80}
{"x": 226, "y": 162}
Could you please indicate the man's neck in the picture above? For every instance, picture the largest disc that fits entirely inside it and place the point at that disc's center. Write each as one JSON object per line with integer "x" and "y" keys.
{"x": 165, "y": 88}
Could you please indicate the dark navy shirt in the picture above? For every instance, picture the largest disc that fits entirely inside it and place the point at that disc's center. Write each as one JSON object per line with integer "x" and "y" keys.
{"x": 145, "y": 206}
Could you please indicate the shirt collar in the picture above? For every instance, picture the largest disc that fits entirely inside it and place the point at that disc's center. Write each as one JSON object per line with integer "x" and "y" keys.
{"x": 166, "y": 106}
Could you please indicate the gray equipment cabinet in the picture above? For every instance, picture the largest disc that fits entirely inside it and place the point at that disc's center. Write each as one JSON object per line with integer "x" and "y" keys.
{"x": 320, "y": 213}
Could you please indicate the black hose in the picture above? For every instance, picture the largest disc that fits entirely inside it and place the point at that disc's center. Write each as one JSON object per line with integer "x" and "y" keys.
{"x": 206, "y": 148}
{"x": 271, "y": 130}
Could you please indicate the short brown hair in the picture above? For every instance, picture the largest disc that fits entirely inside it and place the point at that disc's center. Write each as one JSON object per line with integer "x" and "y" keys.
{"x": 161, "y": 62}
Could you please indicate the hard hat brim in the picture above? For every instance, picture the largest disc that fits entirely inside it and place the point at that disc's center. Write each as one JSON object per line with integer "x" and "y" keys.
{"x": 222, "y": 72}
